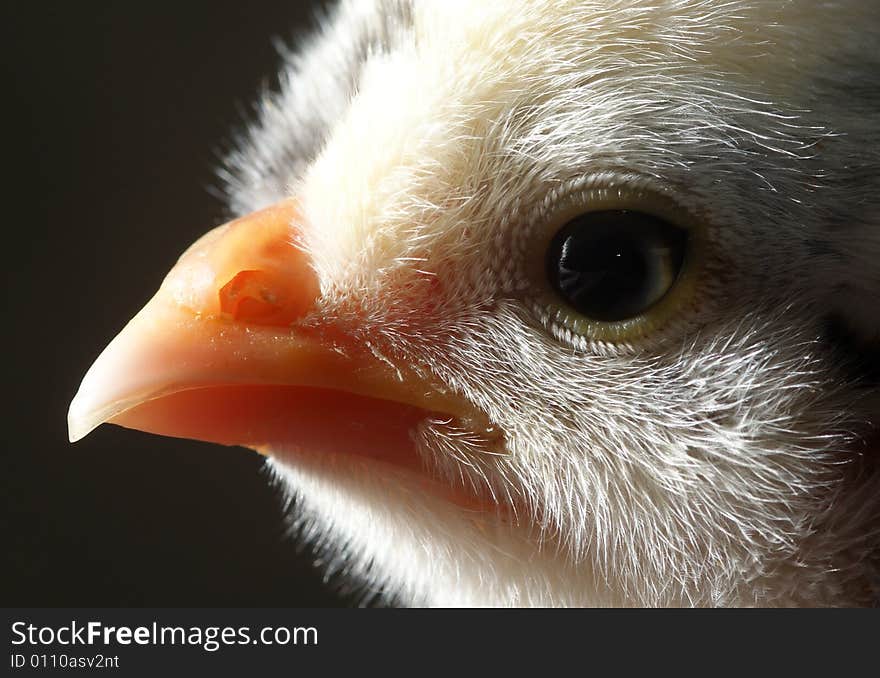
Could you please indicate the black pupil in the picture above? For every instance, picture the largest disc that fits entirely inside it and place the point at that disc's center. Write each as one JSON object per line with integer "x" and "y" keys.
{"x": 614, "y": 264}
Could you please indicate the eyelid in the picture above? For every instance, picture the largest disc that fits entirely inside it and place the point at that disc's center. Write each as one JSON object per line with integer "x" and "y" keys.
{"x": 630, "y": 192}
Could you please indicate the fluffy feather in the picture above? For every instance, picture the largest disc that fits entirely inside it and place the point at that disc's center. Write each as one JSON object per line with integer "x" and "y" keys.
{"x": 723, "y": 462}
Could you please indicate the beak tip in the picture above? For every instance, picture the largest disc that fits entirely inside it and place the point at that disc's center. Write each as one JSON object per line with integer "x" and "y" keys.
{"x": 83, "y": 417}
{"x": 78, "y": 425}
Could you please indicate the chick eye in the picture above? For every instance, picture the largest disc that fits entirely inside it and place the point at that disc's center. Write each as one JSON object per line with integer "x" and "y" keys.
{"x": 613, "y": 265}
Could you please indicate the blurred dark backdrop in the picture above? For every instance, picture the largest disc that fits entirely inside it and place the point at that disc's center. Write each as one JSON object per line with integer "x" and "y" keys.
{"x": 113, "y": 117}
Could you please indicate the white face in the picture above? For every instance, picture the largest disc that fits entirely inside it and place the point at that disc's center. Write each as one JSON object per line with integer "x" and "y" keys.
{"x": 700, "y": 440}
{"x": 693, "y": 462}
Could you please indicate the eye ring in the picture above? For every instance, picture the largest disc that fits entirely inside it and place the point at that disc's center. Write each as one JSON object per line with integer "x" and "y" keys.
{"x": 664, "y": 316}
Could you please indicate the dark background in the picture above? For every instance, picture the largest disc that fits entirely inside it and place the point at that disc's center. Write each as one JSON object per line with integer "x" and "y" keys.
{"x": 113, "y": 118}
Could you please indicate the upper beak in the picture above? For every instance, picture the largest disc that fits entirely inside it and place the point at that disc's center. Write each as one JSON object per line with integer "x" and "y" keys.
{"x": 219, "y": 354}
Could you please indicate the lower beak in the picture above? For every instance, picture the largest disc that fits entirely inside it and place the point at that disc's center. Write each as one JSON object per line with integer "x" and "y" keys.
{"x": 220, "y": 354}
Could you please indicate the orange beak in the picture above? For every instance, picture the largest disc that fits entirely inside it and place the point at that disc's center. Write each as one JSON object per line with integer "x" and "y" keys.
{"x": 218, "y": 355}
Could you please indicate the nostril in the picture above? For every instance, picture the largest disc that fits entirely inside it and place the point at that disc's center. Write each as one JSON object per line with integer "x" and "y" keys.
{"x": 262, "y": 298}
{"x": 250, "y": 271}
